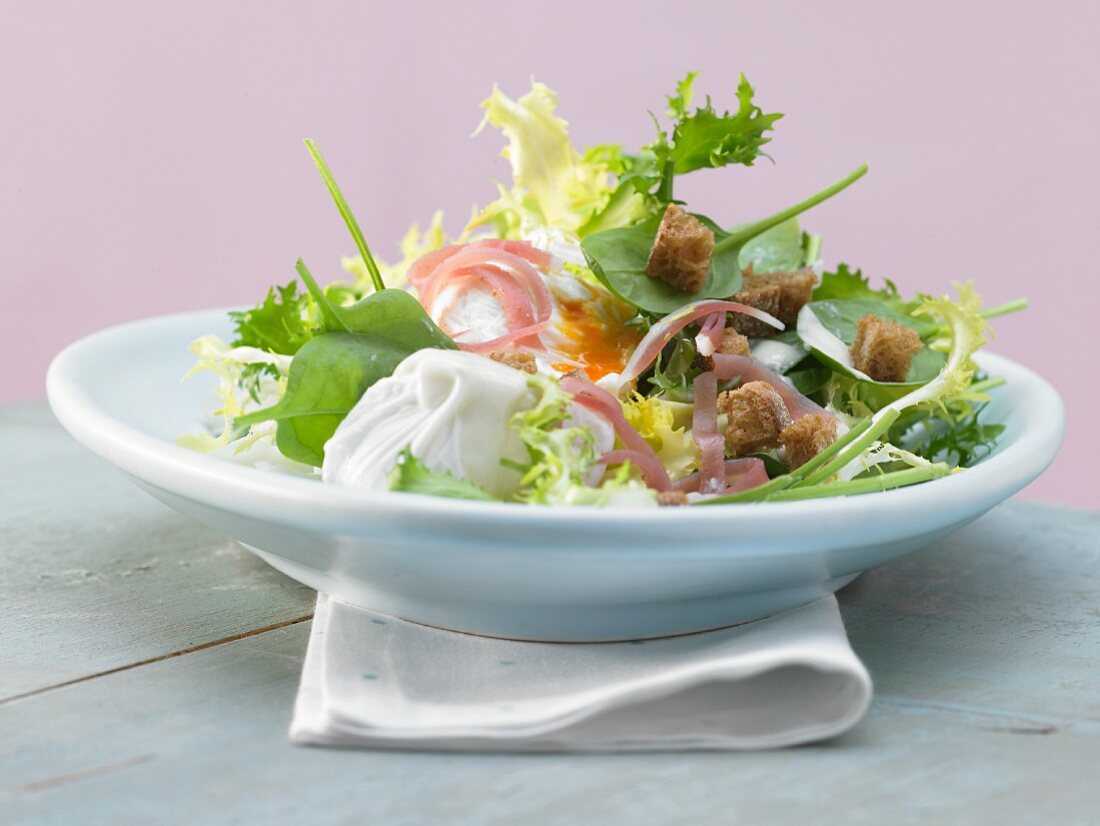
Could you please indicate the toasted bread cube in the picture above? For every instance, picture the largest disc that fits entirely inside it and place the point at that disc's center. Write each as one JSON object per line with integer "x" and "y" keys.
{"x": 733, "y": 343}
{"x": 755, "y": 416}
{"x": 782, "y": 294}
{"x": 807, "y": 436}
{"x": 681, "y": 251}
{"x": 884, "y": 349}
{"x": 516, "y": 358}
{"x": 671, "y": 498}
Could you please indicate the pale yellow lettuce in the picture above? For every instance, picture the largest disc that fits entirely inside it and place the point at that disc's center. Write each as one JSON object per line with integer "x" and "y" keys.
{"x": 553, "y": 185}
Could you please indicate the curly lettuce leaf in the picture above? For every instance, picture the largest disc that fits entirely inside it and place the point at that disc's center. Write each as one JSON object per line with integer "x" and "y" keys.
{"x": 245, "y": 374}
{"x": 560, "y": 457}
{"x": 411, "y": 475}
{"x": 705, "y": 139}
{"x": 553, "y": 185}
{"x": 963, "y": 333}
{"x": 281, "y": 323}
{"x": 655, "y": 421}
{"x": 851, "y": 285}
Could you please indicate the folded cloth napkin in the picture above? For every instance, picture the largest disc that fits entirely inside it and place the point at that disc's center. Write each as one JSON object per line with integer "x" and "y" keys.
{"x": 375, "y": 681}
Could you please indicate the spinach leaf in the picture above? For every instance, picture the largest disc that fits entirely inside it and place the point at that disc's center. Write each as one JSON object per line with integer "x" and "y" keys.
{"x": 411, "y": 475}
{"x": 327, "y": 378}
{"x": 840, "y": 320}
{"x": 389, "y": 313}
{"x": 778, "y": 249}
{"x": 358, "y": 345}
{"x": 618, "y": 257}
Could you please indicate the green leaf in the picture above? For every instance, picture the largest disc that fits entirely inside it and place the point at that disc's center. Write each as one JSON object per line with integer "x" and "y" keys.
{"x": 390, "y": 313}
{"x": 678, "y": 104}
{"x": 346, "y": 214}
{"x": 618, "y": 257}
{"x": 779, "y": 249}
{"x": 360, "y": 344}
{"x": 846, "y": 284}
{"x": 278, "y": 324}
{"x": 327, "y": 378}
{"x": 840, "y": 319}
{"x": 410, "y": 475}
{"x": 706, "y": 139}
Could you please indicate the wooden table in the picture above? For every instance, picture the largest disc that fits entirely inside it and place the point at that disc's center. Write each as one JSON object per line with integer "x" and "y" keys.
{"x": 148, "y": 666}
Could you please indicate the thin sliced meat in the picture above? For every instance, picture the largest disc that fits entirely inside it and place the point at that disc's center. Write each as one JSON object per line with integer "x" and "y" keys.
{"x": 662, "y": 332}
{"x": 727, "y": 367}
{"x": 653, "y": 472}
{"x": 506, "y": 268}
{"x": 704, "y": 430}
{"x": 601, "y": 402}
{"x": 740, "y": 474}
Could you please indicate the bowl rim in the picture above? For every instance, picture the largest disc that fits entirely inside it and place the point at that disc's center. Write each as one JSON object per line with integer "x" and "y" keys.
{"x": 287, "y": 499}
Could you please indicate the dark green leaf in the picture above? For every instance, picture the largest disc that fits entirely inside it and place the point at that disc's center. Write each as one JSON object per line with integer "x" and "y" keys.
{"x": 846, "y": 284}
{"x": 841, "y": 319}
{"x": 363, "y": 343}
{"x": 327, "y": 378}
{"x": 618, "y": 256}
{"x": 779, "y": 249}
{"x": 410, "y": 475}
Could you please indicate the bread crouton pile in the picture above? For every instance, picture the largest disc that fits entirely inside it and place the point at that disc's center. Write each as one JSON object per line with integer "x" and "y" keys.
{"x": 758, "y": 420}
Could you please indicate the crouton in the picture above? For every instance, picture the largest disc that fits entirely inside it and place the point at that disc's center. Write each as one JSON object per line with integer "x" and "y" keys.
{"x": 681, "y": 251}
{"x": 782, "y": 294}
{"x": 806, "y": 437}
{"x": 671, "y": 498}
{"x": 755, "y": 416}
{"x": 517, "y": 359}
{"x": 733, "y": 344}
{"x": 884, "y": 349}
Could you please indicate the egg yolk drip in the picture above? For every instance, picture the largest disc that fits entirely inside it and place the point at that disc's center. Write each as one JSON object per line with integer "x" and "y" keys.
{"x": 598, "y": 346}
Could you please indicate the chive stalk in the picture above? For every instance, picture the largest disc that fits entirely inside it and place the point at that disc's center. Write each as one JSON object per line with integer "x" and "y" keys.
{"x": 740, "y": 236}
{"x": 346, "y": 214}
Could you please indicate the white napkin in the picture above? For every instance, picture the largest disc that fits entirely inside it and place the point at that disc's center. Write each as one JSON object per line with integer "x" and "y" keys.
{"x": 375, "y": 681}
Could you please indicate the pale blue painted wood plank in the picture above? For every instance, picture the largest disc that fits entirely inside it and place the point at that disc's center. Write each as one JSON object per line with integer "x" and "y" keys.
{"x": 95, "y": 574}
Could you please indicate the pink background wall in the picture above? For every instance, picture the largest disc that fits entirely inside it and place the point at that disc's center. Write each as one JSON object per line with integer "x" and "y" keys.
{"x": 152, "y": 160}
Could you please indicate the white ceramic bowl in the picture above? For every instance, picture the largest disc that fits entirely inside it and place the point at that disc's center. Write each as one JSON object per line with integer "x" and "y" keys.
{"x": 544, "y": 573}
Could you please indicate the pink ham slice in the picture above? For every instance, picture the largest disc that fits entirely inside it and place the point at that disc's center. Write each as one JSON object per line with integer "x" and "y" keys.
{"x": 602, "y": 403}
{"x": 662, "y": 332}
{"x": 727, "y": 367}
{"x": 509, "y": 269}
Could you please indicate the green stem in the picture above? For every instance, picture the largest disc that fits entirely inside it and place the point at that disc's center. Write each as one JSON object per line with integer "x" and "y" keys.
{"x": 1006, "y": 308}
{"x": 985, "y": 384}
{"x": 664, "y": 191}
{"x": 332, "y": 319}
{"x": 743, "y": 234}
{"x": 855, "y": 447}
{"x": 345, "y": 213}
{"x": 795, "y": 476}
{"x": 869, "y": 484}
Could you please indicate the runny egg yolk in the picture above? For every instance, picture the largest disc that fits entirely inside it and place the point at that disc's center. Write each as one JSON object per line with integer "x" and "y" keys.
{"x": 597, "y": 345}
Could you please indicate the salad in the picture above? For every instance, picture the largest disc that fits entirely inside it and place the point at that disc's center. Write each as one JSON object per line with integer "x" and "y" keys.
{"x": 589, "y": 340}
